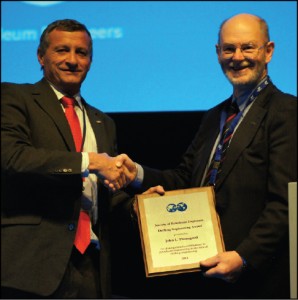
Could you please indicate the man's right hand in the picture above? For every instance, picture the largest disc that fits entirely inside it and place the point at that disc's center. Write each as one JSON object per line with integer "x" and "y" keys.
{"x": 155, "y": 189}
{"x": 105, "y": 167}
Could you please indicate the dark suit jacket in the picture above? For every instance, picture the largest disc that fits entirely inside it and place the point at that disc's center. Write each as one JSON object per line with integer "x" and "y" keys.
{"x": 42, "y": 186}
{"x": 252, "y": 191}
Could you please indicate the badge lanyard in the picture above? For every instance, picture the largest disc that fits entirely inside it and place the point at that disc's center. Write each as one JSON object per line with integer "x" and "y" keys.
{"x": 223, "y": 117}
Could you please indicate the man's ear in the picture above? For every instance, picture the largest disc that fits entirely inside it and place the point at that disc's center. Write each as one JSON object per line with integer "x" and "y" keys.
{"x": 40, "y": 58}
{"x": 269, "y": 51}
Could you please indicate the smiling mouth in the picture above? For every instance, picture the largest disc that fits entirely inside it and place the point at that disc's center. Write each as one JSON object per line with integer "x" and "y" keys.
{"x": 70, "y": 71}
{"x": 239, "y": 67}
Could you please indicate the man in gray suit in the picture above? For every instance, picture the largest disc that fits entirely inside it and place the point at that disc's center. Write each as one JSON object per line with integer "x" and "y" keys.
{"x": 250, "y": 179}
{"x": 47, "y": 182}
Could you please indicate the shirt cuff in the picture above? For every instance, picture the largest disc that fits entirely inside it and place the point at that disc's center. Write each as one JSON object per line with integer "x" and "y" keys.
{"x": 244, "y": 264}
{"x": 139, "y": 178}
{"x": 85, "y": 164}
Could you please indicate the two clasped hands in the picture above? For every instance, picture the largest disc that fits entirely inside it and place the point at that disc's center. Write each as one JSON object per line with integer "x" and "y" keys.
{"x": 116, "y": 172}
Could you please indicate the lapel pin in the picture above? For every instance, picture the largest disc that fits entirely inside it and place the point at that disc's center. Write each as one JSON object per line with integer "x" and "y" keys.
{"x": 98, "y": 121}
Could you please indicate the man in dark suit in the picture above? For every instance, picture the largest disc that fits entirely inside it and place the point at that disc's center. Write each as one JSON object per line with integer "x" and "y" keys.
{"x": 251, "y": 182}
{"x": 47, "y": 183}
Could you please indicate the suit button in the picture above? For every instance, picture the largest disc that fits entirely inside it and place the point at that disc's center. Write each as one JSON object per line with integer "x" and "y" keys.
{"x": 71, "y": 227}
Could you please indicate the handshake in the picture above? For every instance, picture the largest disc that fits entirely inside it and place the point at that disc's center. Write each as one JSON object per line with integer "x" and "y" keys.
{"x": 116, "y": 172}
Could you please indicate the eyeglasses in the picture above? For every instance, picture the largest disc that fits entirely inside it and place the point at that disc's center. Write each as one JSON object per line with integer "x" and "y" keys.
{"x": 249, "y": 51}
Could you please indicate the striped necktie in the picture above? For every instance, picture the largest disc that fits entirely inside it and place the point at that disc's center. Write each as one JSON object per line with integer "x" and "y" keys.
{"x": 227, "y": 133}
{"x": 82, "y": 239}
{"x": 225, "y": 139}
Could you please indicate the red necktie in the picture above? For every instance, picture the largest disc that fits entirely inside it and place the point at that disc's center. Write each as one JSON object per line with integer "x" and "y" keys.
{"x": 82, "y": 239}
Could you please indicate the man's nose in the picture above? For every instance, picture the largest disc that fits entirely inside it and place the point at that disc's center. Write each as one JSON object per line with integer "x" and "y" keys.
{"x": 71, "y": 58}
{"x": 238, "y": 55}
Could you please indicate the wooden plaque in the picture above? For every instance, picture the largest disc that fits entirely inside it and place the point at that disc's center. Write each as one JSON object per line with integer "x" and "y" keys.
{"x": 178, "y": 230}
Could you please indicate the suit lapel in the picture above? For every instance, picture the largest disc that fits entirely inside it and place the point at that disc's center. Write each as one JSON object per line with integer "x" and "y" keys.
{"x": 97, "y": 124}
{"x": 45, "y": 97}
{"x": 244, "y": 133}
{"x": 207, "y": 138}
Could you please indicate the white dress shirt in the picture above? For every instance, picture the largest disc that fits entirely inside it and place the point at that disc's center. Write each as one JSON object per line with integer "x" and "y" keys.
{"x": 89, "y": 195}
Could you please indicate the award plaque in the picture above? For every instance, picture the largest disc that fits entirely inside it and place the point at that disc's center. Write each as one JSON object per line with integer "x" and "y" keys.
{"x": 178, "y": 230}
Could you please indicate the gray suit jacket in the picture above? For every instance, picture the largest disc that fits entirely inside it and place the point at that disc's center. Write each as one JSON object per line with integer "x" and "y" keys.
{"x": 42, "y": 186}
{"x": 251, "y": 193}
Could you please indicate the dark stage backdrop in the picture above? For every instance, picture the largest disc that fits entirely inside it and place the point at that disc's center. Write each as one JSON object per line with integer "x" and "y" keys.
{"x": 156, "y": 140}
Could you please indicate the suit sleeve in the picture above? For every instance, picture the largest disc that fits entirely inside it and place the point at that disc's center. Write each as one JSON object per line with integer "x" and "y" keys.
{"x": 269, "y": 235}
{"x": 27, "y": 154}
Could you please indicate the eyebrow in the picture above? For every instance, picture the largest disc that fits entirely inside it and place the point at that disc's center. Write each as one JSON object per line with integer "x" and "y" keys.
{"x": 67, "y": 46}
{"x": 245, "y": 43}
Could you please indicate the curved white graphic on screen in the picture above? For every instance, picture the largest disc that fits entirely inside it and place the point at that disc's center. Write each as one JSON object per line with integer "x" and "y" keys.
{"x": 42, "y": 3}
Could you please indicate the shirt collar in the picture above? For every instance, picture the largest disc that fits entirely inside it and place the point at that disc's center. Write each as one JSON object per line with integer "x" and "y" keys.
{"x": 60, "y": 95}
{"x": 241, "y": 101}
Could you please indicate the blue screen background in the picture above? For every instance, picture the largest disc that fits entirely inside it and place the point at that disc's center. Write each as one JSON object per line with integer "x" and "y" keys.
{"x": 148, "y": 56}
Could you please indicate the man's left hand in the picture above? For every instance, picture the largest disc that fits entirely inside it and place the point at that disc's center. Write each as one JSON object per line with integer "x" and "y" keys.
{"x": 226, "y": 266}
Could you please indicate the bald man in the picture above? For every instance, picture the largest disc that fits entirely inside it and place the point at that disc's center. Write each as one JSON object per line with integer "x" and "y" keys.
{"x": 249, "y": 168}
